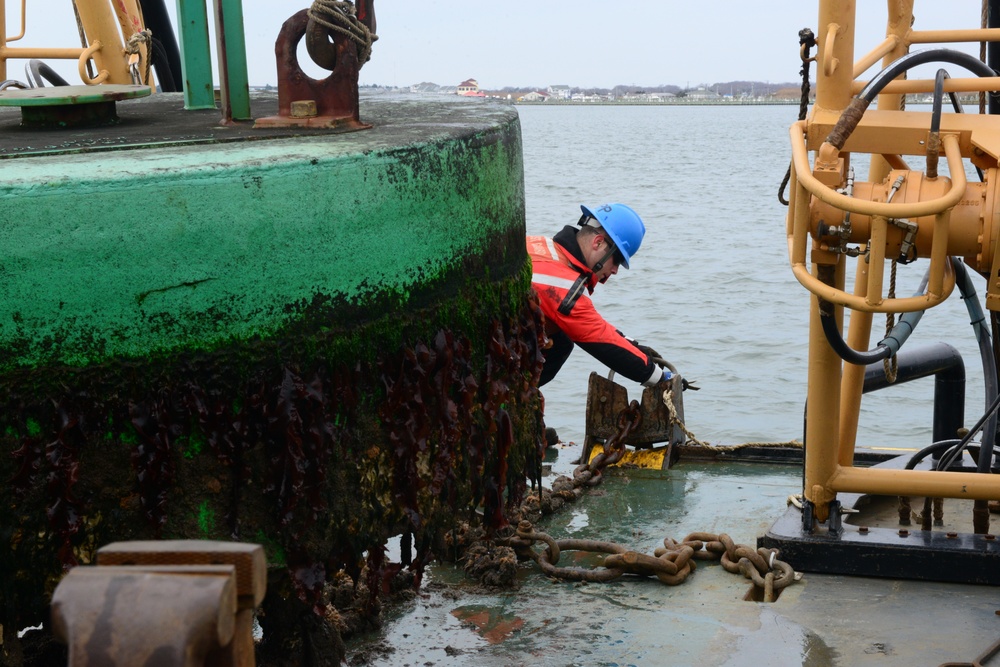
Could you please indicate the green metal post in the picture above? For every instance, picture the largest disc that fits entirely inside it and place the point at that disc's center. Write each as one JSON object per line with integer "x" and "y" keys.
{"x": 196, "y": 55}
{"x": 232, "y": 49}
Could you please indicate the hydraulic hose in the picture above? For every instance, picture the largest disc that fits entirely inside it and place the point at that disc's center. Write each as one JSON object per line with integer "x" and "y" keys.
{"x": 38, "y": 73}
{"x": 978, "y": 321}
{"x": 938, "y": 101}
{"x": 885, "y": 348}
{"x": 164, "y": 74}
{"x": 915, "y": 58}
{"x": 934, "y": 139}
{"x": 856, "y": 109}
{"x": 936, "y": 448}
{"x": 934, "y": 144}
{"x": 945, "y": 464}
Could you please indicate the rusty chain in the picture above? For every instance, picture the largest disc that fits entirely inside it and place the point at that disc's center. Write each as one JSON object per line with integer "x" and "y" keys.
{"x": 980, "y": 660}
{"x": 591, "y": 474}
{"x": 671, "y": 563}
{"x": 565, "y": 489}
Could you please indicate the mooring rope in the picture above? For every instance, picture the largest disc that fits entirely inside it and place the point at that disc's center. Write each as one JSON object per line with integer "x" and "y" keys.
{"x": 692, "y": 440}
{"x": 132, "y": 48}
{"x": 668, "y": 396}
{"x": 342, "y": 17}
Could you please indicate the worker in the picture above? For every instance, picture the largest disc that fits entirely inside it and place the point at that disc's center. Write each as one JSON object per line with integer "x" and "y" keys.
{"x": 565, "y": 270}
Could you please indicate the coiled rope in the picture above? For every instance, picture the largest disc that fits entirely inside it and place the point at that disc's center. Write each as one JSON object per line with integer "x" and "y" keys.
{"x": 342, "y": 17}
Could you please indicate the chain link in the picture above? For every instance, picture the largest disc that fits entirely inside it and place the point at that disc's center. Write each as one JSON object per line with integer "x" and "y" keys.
{"x": 671, "y": 563}
{"x": 591, "y": 474}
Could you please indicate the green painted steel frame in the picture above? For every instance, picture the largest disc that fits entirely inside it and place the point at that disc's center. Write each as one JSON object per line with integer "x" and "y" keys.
{"x": 196, "y": 57}
{"x": 232, "y": 49}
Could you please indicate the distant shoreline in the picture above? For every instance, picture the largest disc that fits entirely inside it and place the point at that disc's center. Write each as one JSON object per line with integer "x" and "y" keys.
{"x": 658, "y": 103}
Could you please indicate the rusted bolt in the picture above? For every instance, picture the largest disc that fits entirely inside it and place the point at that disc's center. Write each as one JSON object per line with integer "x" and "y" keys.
{"x": 904, "y": 532}
{"x": 952, "y": 535}
{"x": 863, "y": 530}
{"x": 304, "y": 109}
{"x": 990, "y": 537}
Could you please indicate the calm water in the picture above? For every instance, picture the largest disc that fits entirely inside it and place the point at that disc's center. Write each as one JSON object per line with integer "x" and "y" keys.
{"x": 711, "y": 288}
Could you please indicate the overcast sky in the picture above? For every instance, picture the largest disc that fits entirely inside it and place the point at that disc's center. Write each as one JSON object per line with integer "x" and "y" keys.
{"x": 585, "y": 43}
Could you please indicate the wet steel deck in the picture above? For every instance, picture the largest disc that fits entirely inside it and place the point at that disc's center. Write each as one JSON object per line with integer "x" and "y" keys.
{"x": 821, "y": 620}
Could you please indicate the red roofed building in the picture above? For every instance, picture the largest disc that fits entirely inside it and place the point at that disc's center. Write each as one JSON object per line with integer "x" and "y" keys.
{"x": 469, "y": 86}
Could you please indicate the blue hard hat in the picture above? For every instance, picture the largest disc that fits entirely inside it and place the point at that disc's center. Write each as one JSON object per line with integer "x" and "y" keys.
{"x": 622, "y": 224}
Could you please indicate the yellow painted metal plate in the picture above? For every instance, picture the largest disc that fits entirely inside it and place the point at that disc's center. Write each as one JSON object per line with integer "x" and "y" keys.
{"x": 649, "y": 459}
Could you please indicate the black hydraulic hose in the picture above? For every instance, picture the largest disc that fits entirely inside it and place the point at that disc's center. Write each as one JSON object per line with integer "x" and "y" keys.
{"x": 856, "y": 109}
{"x": 936, "y": 448}
{"x": 934, "y": 138}
{"x": 885, "y": 348}
{"x": 157, "y": 19}
{"x": 915, "y": 58}
{"x": 978, "y": 321}
{"x": 39, "y": 73}
{"x": 967, "y": 438}
{"x": 956, "y": 105}
{"x": 843, "y": 350}
{"x": 938, "y": 101}
{"x": 163, "y": 73}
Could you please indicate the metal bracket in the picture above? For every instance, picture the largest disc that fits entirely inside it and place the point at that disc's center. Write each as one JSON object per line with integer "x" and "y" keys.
{"x": 305, "y": 102}
{"x": 834, "y": 523}
{"x": 808, "y": 520}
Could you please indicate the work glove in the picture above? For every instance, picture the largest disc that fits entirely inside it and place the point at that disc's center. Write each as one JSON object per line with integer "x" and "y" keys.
{"x": 685, "y": 383}
{"x": 652, "y": 354}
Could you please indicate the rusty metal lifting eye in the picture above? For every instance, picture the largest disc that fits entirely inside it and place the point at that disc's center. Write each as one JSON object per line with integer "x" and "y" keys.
{"x": 320, "y": 45}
